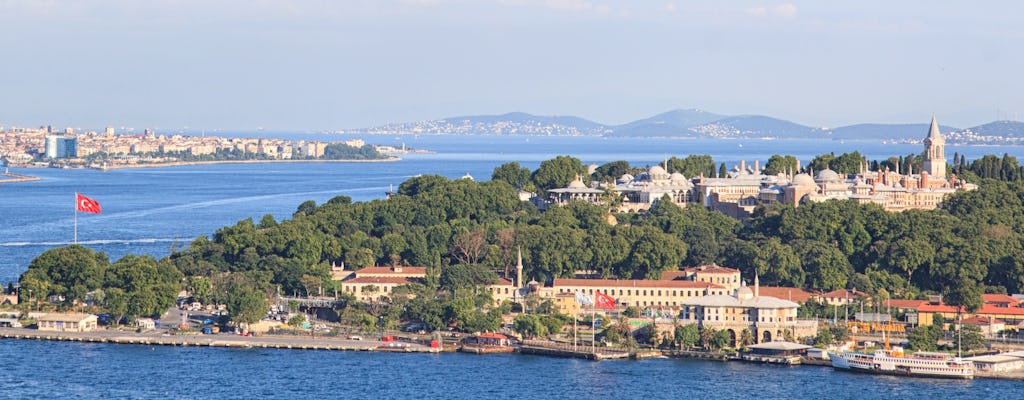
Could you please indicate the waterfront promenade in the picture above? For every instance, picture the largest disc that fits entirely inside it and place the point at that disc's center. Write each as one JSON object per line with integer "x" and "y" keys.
{"x": 158, "y": 338}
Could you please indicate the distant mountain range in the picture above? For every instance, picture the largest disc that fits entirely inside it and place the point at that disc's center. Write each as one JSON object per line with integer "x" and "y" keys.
{"x": 697, "y": 124}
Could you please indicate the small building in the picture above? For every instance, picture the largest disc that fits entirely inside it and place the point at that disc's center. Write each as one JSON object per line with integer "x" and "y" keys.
{"x": 990, "y": 327}
{"x": 778, "y": 349}
{"x": 145, "y": 323}
{"x": 776, "y": 353}
{"x": 10, "y": 319}
{"x": 67, "y": 322}
{"x": 997, "y": 363}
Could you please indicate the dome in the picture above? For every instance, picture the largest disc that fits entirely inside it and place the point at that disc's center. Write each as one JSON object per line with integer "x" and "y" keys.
{"x": 677, "y": 177}
{"x": 625, "y": 178}
{"x": 744, "y": 293}
{"x": 827, "y": 175}
{"x": 656, "y": 171}
{"x": 803, "y": 180}
{"x": 577, "y": 184}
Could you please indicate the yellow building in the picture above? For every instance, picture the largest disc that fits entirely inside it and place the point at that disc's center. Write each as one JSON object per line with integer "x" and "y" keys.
{"x": 67, "y": 322}
{"x": 636, "y": 292}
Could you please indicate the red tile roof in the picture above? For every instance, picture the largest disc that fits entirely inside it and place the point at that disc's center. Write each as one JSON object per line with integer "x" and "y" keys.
{"x": 674, "y": 275}
{"x": 1000, "y": 298}
{"x": 502, "y": 282}
{"x": 711, "y": 269}
{"x": 379, "y": 280}
{"x": 786, "y": 293}
{"x": 986, "y": 309}
{"x": 981, "y": 321}
{"x": 391, "y": 271}
{"x": 841, "y": 293}
{"x": 905, "y": 304}
{"x": 634, "y": 283}
{"x": 492, "y": 335}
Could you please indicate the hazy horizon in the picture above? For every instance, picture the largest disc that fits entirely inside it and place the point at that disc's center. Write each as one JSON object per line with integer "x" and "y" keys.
{"x": 326, "y": 65}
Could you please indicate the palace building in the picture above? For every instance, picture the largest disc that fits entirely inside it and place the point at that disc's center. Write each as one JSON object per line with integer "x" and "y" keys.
{"x": 745, "y": 187}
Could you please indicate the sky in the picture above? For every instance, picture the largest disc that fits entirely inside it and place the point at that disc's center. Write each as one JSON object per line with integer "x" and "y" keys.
{"x": 336, "y": 64}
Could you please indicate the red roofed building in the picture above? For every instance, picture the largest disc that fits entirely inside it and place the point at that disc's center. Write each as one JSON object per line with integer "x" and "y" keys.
{"x": 637, "y": 292}
{"x": 374, "y": 288}
{"x": 397, "y": 271}
{"x": 728, "y": 278}
{"x": 997, "y": 309}
{"x": 844, "y": 296}
{"x": 990, "y": 327}
{"x": 793, "y": 294}
{"x": 903, "y": 305}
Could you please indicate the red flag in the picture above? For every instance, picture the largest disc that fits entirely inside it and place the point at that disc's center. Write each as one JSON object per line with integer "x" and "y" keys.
{"x": 85, "y": 204}
{"x": 604, "y": 301}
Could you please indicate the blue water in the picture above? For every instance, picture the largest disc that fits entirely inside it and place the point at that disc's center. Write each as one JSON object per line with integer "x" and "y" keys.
{"x": 51, "y": 370}
{"x": 151, "y": 210}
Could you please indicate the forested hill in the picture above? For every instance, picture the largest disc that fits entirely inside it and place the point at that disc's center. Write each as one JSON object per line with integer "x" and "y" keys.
{"x": 466, "y": 231}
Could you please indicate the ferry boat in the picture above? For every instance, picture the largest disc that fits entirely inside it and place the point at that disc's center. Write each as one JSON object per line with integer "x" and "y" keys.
{"x": 895, "y": 362}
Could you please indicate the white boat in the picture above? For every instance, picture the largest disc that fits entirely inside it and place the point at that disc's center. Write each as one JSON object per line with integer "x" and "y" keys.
{"x": 895, "y": 362}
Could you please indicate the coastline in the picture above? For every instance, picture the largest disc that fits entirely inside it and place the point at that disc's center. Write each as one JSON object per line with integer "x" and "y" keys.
{"x": 190, "y": 163}
{"x": 15, "y": 178}
{"x": 157, "y": 338}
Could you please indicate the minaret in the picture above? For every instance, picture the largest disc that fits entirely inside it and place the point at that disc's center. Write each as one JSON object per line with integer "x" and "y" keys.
{"x": 519, "y": 268}
{"x": 935, "y": 152}
{"x": 757, "y": 286}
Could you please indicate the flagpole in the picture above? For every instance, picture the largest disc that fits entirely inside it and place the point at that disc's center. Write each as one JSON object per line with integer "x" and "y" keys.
{"x": 575, "y": 328}
{"x": 76, "y": 219}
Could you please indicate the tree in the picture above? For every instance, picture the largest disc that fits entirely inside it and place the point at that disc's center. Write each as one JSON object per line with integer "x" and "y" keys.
{"x": 245, "y": 304}
{"x": 609, "y": 172}
{"x": 687, "y": 335}
{"x": 824, "y": 338}
{"x": 557, "y": 172}
{"x": 925, "y": 337}
{"x": 778, "y": 163}
{"x": 468, "y": 246}
{"x": 692, "y": 166}
{"x": 511, "y": 173}
{"x": 307, "y": 207}
{"x": 971, "y": 337}
{"x": 746, "y": 338}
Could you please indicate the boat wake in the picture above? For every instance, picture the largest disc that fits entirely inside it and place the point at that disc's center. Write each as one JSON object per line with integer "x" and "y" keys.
{"x": 100, "y": 242}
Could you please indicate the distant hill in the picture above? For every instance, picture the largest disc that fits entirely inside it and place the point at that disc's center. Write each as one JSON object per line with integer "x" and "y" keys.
{"x": 516, "y": 123}
{"x": 1000, "y": 129}
{"x": 885, "y": 131}
{"x": 672, "y": 123}
{"x": 757, "y": 126}
{"x": 696, "y": 123}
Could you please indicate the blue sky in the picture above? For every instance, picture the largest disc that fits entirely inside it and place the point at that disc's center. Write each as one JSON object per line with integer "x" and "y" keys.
{"x": 312, "y": 65}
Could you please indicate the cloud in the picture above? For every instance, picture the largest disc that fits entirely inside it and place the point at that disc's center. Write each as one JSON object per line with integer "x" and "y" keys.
{"x": 784, "y": 10}
{"x": 564, "y": 5}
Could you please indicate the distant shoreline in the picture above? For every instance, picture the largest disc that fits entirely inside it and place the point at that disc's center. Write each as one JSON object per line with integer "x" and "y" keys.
{"x": 15, "y": 178}
{"x": 190, "y": 163}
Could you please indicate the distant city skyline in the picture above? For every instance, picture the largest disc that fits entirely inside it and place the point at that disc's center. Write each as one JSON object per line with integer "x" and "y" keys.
{"x": 325, "y": 65}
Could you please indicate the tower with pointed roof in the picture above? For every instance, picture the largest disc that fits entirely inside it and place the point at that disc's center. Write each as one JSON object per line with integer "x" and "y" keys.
{"x": 935, "y": 152}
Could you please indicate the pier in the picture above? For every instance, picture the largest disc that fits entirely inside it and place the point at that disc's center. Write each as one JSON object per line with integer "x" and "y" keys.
{"x": 8, "y": 177}
{"x": 218, "y": 340}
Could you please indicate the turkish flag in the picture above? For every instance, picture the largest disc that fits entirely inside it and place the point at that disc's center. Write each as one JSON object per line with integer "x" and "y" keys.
{"x": 85, "y": 204}
{"x": 604, "y": 301}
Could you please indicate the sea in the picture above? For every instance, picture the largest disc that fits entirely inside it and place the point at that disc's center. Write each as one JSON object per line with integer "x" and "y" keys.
{"x": 157, "y": 210}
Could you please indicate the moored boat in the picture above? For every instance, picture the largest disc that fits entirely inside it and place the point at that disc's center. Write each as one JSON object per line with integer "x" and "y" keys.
{"x": 895, "y": 362}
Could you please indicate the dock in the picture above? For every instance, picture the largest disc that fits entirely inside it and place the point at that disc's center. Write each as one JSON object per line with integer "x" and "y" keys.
{"x": 552, "y": 349}
{"x": 219, "y": 340}
{"x": 14, "y": 178}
